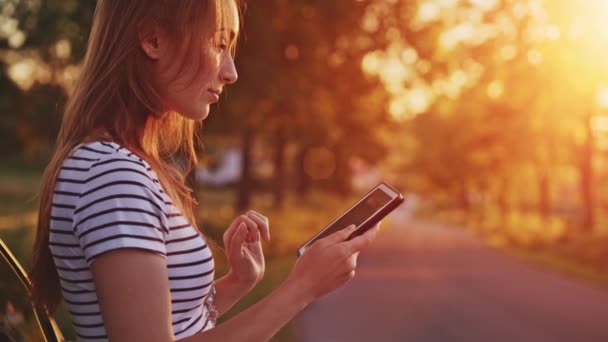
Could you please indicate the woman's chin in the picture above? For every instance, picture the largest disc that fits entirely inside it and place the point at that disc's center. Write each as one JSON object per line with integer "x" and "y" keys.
{"x": 203, "y": 115}
{"x": 197, "y": 115}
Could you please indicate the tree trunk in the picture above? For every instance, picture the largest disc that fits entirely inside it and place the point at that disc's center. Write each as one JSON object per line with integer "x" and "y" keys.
{"x": 303, "y": 179}
{"x": 586, "y": 177}
{"x": 279, "y": 170}
{"x": 544, "y": 204}
{"x": 342, "y": 177}
{"x": 463, "y": 195}
{"x": 503, "y": 202}
{"x": 246, "y": 184}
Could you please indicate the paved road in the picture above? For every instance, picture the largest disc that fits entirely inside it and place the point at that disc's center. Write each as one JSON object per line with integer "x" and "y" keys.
{"x": 426, "y": 282}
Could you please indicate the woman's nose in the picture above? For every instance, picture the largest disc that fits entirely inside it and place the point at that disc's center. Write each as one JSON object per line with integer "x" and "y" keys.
{"x": 228, "y": 72}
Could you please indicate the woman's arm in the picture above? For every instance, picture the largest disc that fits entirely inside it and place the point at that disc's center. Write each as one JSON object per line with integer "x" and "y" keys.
{"x": 133, "y": 292}
{"x": 229, "y": 292}
{"x": 261, "y": 321}
{"x": 132, "y": 286}
{"x": 243, "y": 243}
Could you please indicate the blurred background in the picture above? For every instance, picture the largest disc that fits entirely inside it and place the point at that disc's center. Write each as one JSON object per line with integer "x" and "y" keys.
{"x": 492, "y": 115}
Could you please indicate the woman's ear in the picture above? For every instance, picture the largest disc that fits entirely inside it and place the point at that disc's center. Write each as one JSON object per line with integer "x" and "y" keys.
{"x": 151, "y": 39}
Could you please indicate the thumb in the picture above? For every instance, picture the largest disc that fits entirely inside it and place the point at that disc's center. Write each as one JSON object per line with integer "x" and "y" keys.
{"x": 358, "y": 242}
{"x": 339, "y": 236}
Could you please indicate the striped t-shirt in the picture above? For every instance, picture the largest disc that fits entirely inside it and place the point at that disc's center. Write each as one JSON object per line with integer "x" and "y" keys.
{"x": 107, "y": 198}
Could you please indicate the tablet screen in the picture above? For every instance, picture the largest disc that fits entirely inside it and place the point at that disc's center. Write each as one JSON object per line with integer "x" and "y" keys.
{"x": 359, "y": 213}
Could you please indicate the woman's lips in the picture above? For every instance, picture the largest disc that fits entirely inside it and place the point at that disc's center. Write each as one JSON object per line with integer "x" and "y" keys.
{"x": 215, "y": 94}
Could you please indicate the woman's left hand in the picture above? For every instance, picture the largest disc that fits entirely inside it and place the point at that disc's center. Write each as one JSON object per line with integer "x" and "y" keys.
{"x": 243, "y": 244}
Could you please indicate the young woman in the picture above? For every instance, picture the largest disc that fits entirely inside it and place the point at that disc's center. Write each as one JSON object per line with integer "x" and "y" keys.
{"x": 116, "y": 236}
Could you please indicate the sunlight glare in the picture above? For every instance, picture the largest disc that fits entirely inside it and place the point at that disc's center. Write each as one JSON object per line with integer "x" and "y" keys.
{"x": 8, "y": 26}
{"x": 409, "y": 56}
{"x": 495, "y": 89}
{"x": 418, "y": 100}
{"x": 602, "y": 98}
{"x": 410, "y": 103}
{"x": 427, "y": 12}
{"x": 16, "y": 39}
{"x": 454, "y": 36}
{"x": 423, "y": 66}
{"x": 398, "y": 109}
{"x": 23, "y": 73}
{"x": 63, "y": 49}
{"x": 576, "y": 30}
{"x": 447, "y": 3}
{"x": 552, "y": 32}
{"x": 371, "y": 62}
{"x": 519, "y": 10}
{"x": 394, "y": 72}
{"x": 535, "y": 57}
{"x": 600, "y": 124}
{"x": 508, "y": 52}
{"x": 370, "y": 23}
{"x": 454, "y": 84}
{"x": 69, "y": 76}
{"x": 485, "y": 5}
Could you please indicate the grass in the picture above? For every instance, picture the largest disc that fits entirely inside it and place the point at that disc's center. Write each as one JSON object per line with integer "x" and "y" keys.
{"x": 582, "y": 256}
{"x": 298, "y": 220}
{"x": 557, "y": 261}
{"x": 18, "y": 190}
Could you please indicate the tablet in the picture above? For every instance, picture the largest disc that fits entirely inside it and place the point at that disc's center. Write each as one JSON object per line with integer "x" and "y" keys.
{"x": 364, "y": 214}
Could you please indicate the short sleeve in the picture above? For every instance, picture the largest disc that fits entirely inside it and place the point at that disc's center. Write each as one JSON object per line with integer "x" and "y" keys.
{"x": 120, "y": 206}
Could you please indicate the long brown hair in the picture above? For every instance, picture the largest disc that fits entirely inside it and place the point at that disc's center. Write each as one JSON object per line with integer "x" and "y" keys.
{"x": 115, "y": 99}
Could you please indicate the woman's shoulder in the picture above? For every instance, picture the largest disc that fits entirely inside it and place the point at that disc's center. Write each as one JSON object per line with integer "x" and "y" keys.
{"x": 99, "y": 151}
{"x": 96, "y": 161}
{"x": 104, "y": 154}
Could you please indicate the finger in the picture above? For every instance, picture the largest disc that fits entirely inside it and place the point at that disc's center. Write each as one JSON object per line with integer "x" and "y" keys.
{"x": 339, "y": 236}
{"x": 252, "y": 227}
{"x": 231, "y": 231}
{"x": 238, "y": 238}
{"x": 255, "y": 237}
{"x": 358, "y": 242}
{"x": 266, "y": 224}
{"x": 264, "y": 218}
{"x": 262, "y": 223}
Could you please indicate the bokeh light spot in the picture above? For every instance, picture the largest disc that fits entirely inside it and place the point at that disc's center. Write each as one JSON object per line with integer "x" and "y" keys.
{"x": 319, "y": 163}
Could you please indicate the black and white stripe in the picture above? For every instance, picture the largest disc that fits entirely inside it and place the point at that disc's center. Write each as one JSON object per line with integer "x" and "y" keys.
{"x": 107, "y": 198}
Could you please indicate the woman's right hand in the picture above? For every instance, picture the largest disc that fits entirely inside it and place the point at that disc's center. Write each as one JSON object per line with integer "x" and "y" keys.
{"x": 329, "y": 263}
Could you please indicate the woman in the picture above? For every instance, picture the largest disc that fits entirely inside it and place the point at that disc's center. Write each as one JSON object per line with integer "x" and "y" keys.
{"x": 116, "y": 236}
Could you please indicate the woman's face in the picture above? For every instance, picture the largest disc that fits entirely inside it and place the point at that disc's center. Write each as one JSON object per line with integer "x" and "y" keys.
{"x": 189, "y": 87}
